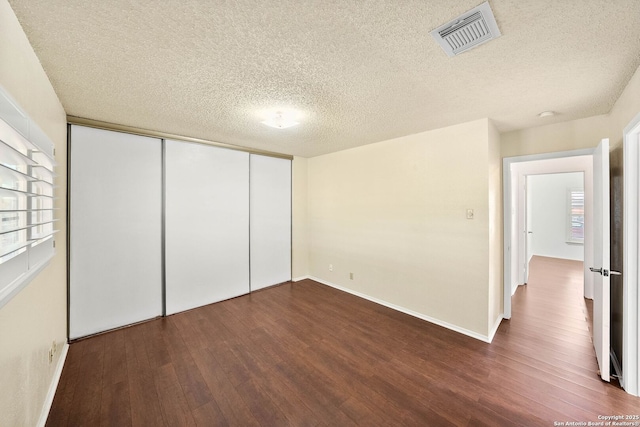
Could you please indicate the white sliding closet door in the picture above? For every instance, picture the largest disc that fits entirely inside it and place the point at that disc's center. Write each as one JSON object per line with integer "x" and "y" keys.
{"x": 115, "y": 230}
{"x": 207, "y": 224}
{"x": 270, "y": 221}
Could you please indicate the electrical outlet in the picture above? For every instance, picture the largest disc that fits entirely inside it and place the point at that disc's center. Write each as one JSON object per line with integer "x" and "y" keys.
{"x": 330, "y": 267}
{"x": 351, "y": 276}
{"x": 469, "y": 213}
{"x": 50, "y": 355}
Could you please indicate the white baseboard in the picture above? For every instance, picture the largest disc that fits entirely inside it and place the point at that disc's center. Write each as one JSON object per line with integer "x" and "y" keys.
{"x": 492, "y": 332}
{"x": 48, "y": 401}
{"x": 297, "y": 279}
{"x": 514, "y": 289}
{"x": 429, "y": 319}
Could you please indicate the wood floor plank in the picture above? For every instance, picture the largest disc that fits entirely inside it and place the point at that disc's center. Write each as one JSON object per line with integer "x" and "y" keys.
{"x": 261, "y": 405}
{"x": 360, "y": 414}
{"x": 413, "y": 412}
{"x": 157, "y": 351}
{"x": 225, "y": 395}
{"x": 195, "y": 388}
{"x": 173, "y": 403}
{"x": 88, "y": 394}
{"x": 143, "y": 397}
{"x": 115, "y": 408}
{"x": 304, "y": 354}
{"x": 115, "y": 358}
{"x": 289, "y": 402}
{"x": 210, "y": 414}
{"x": 315, "y": 392}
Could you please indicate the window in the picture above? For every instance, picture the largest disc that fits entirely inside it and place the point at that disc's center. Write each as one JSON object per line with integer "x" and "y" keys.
{"x": 575, "y": 224}
{"x": 26, "y": 200}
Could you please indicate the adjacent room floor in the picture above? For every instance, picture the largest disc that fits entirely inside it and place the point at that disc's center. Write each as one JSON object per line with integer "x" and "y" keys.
{"x": 304, "y": 354}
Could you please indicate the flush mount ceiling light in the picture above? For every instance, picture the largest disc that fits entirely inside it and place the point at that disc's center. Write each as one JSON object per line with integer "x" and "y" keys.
{"x": 280, "y": 120}
{"x": 546, "y": 114}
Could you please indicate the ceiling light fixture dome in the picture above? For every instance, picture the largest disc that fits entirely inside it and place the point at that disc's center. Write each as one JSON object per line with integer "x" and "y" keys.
{"x": 546, "y": 114}
{"x": 280, "y": 120}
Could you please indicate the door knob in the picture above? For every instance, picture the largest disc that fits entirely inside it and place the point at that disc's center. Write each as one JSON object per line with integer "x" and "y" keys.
{"x": 605, "y": 272}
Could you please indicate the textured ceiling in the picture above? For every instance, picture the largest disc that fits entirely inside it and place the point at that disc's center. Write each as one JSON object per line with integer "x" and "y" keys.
{"x": 357, "y": 72}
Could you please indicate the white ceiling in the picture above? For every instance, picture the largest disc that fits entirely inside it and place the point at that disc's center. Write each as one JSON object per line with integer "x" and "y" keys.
{"x": 357, "y": 71}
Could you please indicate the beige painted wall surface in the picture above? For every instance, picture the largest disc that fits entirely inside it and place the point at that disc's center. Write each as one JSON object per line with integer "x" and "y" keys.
{"x": 624, "y": 110}
{"x": 37, "y": 315}
{"x": 496, "y": 258}
{"x": 300, "y": 239}
{"x": 394, "y": 214}
{"x": 566, "y": 136}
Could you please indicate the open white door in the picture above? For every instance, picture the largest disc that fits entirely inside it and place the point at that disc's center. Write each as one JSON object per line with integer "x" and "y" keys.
{"x": 601, "y": 253}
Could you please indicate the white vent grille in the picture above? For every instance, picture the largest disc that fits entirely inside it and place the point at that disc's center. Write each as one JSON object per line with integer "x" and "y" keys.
{"x": 473, "y": 28}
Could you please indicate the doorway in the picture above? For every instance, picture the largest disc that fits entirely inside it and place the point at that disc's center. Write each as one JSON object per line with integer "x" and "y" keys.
{"x": 515, "y": 171}
{"x": 554, "y": 217}
{"x": 595, "y": 166}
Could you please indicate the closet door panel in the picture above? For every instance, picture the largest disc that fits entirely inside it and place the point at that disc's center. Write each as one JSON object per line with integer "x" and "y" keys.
{"x": 207, "y": 224}
{"x": 115, "y": 215}
{"x": 270, "y": 221}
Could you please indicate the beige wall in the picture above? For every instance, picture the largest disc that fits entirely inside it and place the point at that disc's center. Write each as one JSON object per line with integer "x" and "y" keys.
{"x": 394, "y": 214}
{"x": 33, "y": 319}
{"x": 299, "y": 238}
{"x": 371, "y": 212}
{"x": 624, "y": 110}
{"x": 566, "y": 136}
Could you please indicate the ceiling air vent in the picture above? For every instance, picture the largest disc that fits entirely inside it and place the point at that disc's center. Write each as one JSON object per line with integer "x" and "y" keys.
{"x": 467, "y": 31}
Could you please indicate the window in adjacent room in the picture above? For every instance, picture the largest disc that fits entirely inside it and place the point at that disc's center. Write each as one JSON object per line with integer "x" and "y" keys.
{"x": 575, "y": 215}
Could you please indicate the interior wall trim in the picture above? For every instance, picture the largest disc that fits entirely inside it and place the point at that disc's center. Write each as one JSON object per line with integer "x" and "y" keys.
{"x": 74, "y": 120}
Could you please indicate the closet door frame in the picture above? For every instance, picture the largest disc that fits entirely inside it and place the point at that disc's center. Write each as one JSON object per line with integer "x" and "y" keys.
{"x": 162, "y": 137}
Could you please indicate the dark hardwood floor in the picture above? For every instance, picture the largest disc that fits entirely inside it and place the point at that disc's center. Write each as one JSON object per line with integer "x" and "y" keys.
{"x": 304, "y": 354}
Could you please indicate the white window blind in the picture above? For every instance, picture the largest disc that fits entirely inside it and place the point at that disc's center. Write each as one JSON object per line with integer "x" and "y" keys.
{"x": 27, "y": 221}
{"x": 575, "y": 228}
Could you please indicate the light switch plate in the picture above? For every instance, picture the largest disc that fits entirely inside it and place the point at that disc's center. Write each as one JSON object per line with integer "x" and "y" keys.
{"x": 469, "y": 213}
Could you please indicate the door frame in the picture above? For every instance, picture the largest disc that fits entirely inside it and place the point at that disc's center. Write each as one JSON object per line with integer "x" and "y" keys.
{"x": 630, "y": 253}
{"x": 524, "y": 203}
{"x": 513, "y": 168}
